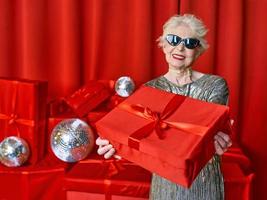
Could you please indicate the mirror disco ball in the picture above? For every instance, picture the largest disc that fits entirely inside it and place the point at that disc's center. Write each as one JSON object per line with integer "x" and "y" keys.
{"x": 72, "y": 140}
{"x": 124, "y": 86}
{"x": 14, "y": 151}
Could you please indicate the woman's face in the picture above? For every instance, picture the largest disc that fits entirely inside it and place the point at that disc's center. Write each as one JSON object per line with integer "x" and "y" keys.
{"x": 179, "y": 57}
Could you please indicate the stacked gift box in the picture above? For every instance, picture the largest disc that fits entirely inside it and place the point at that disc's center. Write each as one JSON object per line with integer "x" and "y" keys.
{"x": 25, "y": 113}
{"x": 95, "y": 178}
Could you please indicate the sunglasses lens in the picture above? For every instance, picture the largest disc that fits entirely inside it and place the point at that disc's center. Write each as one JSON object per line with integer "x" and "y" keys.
{"x": 191, "y": 43}
{"x": 173, "y": 40}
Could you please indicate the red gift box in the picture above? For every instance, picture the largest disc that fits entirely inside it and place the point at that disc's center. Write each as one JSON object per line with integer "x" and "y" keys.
{"x": 42, "y": 181}
{"x": 235, "y": 154}
{"x": 23, "y": 113}
{"x": 237, "y": 184}
{"x": 238, "y": 174}
{"x": 169, "y": 134}
{"x": 57, "y": 107}
{"x": 106, "y": 179}
{"x": 73, "y": 195}
{"x": 88, "y": 97}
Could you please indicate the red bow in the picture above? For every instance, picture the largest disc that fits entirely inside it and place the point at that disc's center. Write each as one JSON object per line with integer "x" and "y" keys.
{"x": 159, "y": 121}
{"x": 13, "y": 118}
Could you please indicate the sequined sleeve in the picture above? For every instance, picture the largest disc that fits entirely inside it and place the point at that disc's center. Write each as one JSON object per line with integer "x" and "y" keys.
{"x": 219, "y": 94}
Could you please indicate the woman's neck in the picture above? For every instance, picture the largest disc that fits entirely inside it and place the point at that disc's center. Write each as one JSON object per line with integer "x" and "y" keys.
{"x": 179, "y": 77}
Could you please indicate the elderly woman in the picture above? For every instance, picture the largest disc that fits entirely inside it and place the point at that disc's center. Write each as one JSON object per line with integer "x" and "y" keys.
{"x": 182, "y": 43}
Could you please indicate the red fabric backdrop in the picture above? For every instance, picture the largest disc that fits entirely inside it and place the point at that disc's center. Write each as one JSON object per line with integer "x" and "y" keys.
{"x": 70, "y": 42}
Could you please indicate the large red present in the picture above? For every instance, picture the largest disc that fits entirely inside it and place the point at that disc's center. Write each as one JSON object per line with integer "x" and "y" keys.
{"x": 23, "y": 113}
{"x": 41, "y": 181}
{"x": 88, "y": 97}
{"x": 169, "y": 134}
{"x": 97, "y": 178}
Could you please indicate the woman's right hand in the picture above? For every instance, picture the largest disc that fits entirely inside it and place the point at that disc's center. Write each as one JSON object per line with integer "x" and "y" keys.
{"x": 104, "y": 148}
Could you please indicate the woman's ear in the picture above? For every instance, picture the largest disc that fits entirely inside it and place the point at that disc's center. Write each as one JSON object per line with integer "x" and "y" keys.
{"x": 160, "y": 41}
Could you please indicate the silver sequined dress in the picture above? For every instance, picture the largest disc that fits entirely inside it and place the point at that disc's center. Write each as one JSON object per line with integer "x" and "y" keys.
{"x": 209, "y": 183}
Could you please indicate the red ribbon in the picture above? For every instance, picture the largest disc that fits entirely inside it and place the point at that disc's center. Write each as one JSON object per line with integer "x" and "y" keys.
{"x": 159, "y": 121}
{"x": 91, "y": 91}
{"x": 107, "y": 184}
{"x": 114, "y": 165}
{"x": 13, "y": 118}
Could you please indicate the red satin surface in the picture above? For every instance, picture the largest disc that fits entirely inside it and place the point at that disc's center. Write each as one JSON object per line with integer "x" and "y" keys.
{"x": 87, "y": 98}
{"x": 238, "y": 174}
{"x": 193, "y": 149}
{"x": 73, "y": 195}
{"x": 42, "y": 181}
{"x": 237, "y": 184}
{"x": 23, "y": 113}
{"x": 109, "y": 177}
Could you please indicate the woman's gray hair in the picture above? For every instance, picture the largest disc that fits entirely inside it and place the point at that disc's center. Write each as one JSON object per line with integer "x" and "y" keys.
{"x": 193, "y": 22}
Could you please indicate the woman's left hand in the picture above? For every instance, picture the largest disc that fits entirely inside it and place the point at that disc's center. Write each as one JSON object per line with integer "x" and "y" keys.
{"x": 222, "y": 142}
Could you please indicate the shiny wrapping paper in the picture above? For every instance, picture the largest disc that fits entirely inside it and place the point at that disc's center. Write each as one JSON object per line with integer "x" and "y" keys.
{"x": 237, "y": 184}
{"x": 42, "y": 181}
{"x": 238, "y": 174}
{"x": 236, "y": 155}
{"x": 168, "y": 134}
{"x": 88, "y": 97}
{"x": 23, "y": 113}
{"x": 74, "y": 195}
{"x": 106, "y": 179}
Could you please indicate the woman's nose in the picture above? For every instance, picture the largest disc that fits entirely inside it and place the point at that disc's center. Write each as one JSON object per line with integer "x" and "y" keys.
{"x": 180, "y": 46}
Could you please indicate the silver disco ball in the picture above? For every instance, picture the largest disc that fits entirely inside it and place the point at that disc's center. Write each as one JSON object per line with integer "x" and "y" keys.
{"x": 14, "y": 151}
{"x": 72, "y": 140}
{"x": 124, "y": 86}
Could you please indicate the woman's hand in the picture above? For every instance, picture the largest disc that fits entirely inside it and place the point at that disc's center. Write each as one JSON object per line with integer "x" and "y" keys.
{"x": 222, "y": 142}
{"x": 105, "y": 148}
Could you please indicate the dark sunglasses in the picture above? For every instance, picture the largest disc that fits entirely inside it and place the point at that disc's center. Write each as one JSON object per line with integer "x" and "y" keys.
{"x": 175, "y": 40}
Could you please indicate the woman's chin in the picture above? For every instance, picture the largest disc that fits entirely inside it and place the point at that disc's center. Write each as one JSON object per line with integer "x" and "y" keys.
{"x": 177, "y": 66}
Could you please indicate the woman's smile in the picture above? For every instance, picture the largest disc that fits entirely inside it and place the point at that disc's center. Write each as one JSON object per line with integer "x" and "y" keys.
{"x": 178, "y": 56}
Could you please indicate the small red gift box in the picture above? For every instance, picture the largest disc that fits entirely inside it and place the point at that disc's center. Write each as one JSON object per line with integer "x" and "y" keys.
{"x": 237, "y": 184}
{"x": 169, "y": 134}
{"x": 238, "y": 174}
{"x": 236, "y": 155}
{"x": 97, "y": 178}
{"x": 23, "y": 113}
{"x": 42, "y": 181}
{"x": 88, "y": 97}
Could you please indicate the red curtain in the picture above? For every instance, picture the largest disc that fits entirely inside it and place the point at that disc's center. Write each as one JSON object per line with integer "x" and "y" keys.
{"x": 69, "y": 42}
